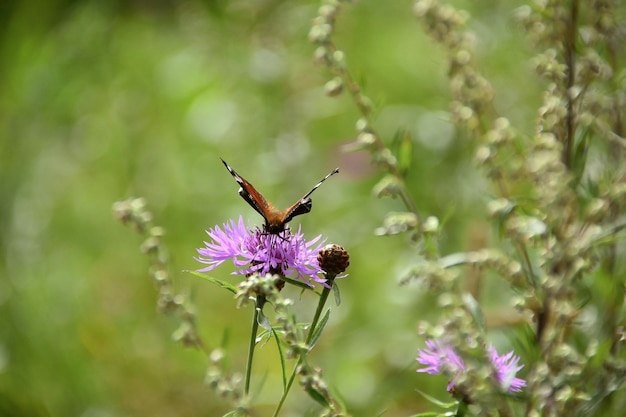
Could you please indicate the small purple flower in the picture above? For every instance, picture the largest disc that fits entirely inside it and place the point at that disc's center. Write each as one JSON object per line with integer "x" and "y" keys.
{"x": 253, "y": 250}
{"x": 506, "y": 367}
{"x": 440, "y": 357}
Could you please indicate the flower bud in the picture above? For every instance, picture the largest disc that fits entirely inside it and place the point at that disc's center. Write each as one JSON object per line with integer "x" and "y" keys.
{"x": 333, "y": 259}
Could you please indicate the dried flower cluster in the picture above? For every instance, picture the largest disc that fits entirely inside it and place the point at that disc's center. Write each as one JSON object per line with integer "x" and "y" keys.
{"x": 558, "y": 197}
{"x": 134, "y": 213}
{"x": 558, "y": 194}
{"x": 557, "y": 207}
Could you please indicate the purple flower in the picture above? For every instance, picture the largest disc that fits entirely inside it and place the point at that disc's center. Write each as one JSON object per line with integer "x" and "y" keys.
{"x": 253, "y": 250}
{"x": 506, "y": 367}
{"x": 440, "y": 357}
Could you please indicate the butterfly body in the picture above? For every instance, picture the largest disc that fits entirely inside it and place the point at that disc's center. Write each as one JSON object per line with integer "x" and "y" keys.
{"x": 275, "y": 220}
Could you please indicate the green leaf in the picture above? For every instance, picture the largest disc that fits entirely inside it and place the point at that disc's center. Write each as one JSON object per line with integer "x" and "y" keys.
{"x": 454, "y": 259}
{"x": 388, "y": 186}
{"x": 281, "y": 355}
{"x": 297, "y": 283}
{"x": 474, "y": 309}
{"x": 318, "y": 397}
{"x": 337, "y": 294}
{"x": 435, "y": 401}
{"x": 402, "y": 145}
{"x": 317, "y": 332}
{"x": 607, "y": 235}
{"x": 223, "y": 284}
{"x": 263, "y": 321}
{"x": 579, "y": 157}
{"x": 435, "y": 414}
{"x": 265, "y": 334}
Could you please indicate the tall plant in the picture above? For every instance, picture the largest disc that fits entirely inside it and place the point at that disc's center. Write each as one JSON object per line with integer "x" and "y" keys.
{"x": 555, "y": 203}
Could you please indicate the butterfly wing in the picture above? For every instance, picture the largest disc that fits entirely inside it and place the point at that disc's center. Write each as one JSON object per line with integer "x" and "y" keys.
{"x": 305, "y": 204}
{"x": 250, "y": 194}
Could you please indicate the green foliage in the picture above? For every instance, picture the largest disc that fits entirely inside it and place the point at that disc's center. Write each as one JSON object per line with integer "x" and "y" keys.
{"x": 103, "y": 101}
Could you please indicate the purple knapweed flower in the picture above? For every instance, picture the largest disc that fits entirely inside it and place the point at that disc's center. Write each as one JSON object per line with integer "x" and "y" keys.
{"x": 439, "y": 357}
{"x": 506, "y": 367}
{"x": 253, "y": 250}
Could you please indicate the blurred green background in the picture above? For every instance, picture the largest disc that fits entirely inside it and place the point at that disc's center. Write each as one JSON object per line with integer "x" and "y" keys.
{"x": 103, "y": 100}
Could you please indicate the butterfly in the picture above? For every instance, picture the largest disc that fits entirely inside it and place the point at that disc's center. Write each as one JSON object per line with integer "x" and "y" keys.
{"x": 275, "y": 220}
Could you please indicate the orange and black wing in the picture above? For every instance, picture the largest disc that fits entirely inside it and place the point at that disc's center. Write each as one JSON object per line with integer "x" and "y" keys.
{"x": 305, "y": 204}
{"x": 251, "y": 195}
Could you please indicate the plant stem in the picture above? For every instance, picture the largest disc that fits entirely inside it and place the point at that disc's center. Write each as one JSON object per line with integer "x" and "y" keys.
{"x": 258, "y": 306}
{"x": 309, "y": 336}
{"x": 318, "y": 312}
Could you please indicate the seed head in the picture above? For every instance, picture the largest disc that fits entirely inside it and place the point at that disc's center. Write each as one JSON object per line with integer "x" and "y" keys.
{"x": 333, "y": 259}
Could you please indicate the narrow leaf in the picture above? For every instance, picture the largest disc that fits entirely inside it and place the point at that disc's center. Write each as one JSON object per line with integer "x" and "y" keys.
{"x": 474, "y": 309}
{"x": 320, "y": 327}
{"x": 297, "y": 283}
{"x": 318, "y": 397}
{"x": 263, "y": 321}
{"x": 223, "y": 284}
{"x": 265, "y": 334}
{"x": 435, "y": 401}
{"x": 281, "y": 355}
{"x": 404, "y": 150}
{"x": 454, "y": 259}
{"x": 337, "y": 294}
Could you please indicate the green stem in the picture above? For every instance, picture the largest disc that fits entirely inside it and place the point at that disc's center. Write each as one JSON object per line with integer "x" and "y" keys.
{"x": 318, "y": 312}
{"x": 309, "y": 336}
{"x": 461, "y": 410}
{"x": 258, "y": 306}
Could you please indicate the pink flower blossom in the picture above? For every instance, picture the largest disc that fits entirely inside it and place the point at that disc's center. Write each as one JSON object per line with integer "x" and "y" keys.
{"x": 253, "y": 250}
{"x": 439, "y": 357}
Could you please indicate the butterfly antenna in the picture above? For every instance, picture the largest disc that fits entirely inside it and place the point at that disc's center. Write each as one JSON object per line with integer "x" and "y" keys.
{"x": 330, "y": 174}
